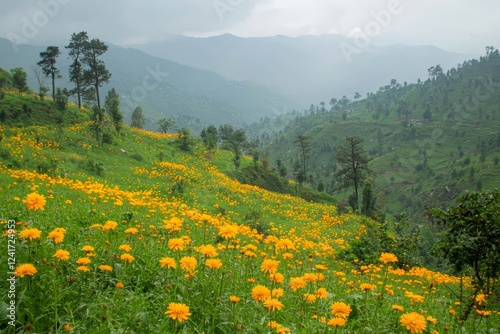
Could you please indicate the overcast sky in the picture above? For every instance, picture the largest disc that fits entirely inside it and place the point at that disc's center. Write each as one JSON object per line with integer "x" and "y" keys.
{"x": 464, "y": 26}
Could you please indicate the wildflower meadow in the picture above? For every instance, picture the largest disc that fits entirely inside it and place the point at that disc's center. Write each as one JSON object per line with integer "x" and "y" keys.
{"x": 137, "y": 236}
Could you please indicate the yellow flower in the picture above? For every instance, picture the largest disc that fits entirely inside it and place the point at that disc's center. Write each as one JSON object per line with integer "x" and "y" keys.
{"x": 35, "y": 201}
{"x": 234, "y": 299}
{"x": 176, "y": 244}
{"x": 340, "y": 309}
{"x": 125, "y": 247}
{"x": 310, "y": 298}
{"x": 414, "y": 322}
{"x": 228, "y": 231}
{"x": 127, "y": 257}
{"x": 260, "y": 293}
{"x": 432, "y": 319}
{"x": 283, "y": 330}
{"x": 269, "y": 266}
{"x": 297, "y": 283}
{"x": 30, "y": 233}
{"x": 62, "y": 255}
{"x": 277, "y": 278}
{"x": 83, "y": 261}
{"x": 26, "y": 269}
{"x": 105, "y": 267}
{"x": 277, "y": 292}
{"x": 397, "y": 307}
{"x": 213, "y": 263}
{"x": 321, "y": 267}
{"x": 336, "y": 322}
{"x": 131, "y": 230}
{"x": 82, "y": 268}
{"x": 388, "y": 258}
{"x": 367, "y": 287}
{"x": 188, "y": 263}
{"x": 168, "y": 262}
{"x": 56, "y": 236}
{"x": 273, "y": 304}
{"x": 207, "y": 250}
{"x": 322, "y": 293}
{"x": 483, "y": 313}
{"x": 68, "y": 201}
{"x": 480, "y": 299}
{"x": 120, "y": 285}
{"x": 109, "y": 225}
{"x": 177, "y": 311}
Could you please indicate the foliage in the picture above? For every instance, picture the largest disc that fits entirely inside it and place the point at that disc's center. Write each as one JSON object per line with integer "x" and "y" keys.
{"x": 48, "y": 65}
{"x": 96, "y": 73}
{"x": 165, "y": 124}
{"x": 138, "y": 120}
{"x": 353, "y": 162}
{"x": 19, "y": 79}
{"x": 471, "y": 234}
{"x": 76, "y": 48}
{"x": 112, "y": 107}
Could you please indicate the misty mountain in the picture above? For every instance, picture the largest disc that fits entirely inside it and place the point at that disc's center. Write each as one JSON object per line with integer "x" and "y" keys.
{"x": 309, "y": 68}
{"x": 193, "y": 97}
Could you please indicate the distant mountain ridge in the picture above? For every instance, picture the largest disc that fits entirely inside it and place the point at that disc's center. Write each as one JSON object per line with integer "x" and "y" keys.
{"x": 308, "y": 68}
{"x": 191, "y": 96}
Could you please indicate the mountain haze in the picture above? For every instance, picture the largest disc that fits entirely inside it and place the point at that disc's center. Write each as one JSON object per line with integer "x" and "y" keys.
{"x": 191, "y": 96}
{"x": 309, "y": 68}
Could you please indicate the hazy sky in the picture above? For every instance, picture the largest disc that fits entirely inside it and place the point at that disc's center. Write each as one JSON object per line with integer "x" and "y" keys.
{"x": 455, "y": 25}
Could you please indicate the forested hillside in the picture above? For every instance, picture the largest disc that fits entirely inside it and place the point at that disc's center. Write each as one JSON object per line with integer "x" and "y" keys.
{"x": 428, "y": 142}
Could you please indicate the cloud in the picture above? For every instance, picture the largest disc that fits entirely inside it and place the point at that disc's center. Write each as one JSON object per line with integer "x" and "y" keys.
{"x": 447, "y": 23}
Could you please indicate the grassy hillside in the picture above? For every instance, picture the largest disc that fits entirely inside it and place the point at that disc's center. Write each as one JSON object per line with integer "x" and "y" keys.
{"x": 138, "y": 236}
{"x": 429, "y": 142}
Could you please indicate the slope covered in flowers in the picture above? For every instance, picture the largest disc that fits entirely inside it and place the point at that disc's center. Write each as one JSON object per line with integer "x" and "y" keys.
{"x": 139, "y": 237}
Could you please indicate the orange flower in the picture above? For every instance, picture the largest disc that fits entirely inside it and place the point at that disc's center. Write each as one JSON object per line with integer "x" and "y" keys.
{"x": 105, "y": 267}
{"x": 297, "y": 283}
{"x": 228, "y": 231}
{"x": 125, "y": 247}
{"x": 109, "y": 225}
{"x": 188, "y": 263}
{"x": 397, "y": 308}
{"x": 127, "y": 257}
{"x": 30, "y": 233}
{"x": 131, "y": 230}
{"x": 62, "y": 255}
{"x": 176, "y": 244}
{"x": 177, "y": 311}
{"x": 273, "y": 304}
{"x": 213, "y": 263}
{"x": 336, "y": 322}
{"x": 35, "y": 201}
{"x": 120, "y": 285}
{"x": 168, "y": 262}
{"x": 414, "y": 322}
{"x": 388, "y": 258}
{"x": 83, "y": 261}
{"x": 340, "y": 309}
{"x": 260, "y": 293}
{"x": 87, "y": 249}
{"x": 269, "y": 266}
{"x": 26, "y": 269}
{"x": 367, "y": 287}
{"x": 234, "y": 299}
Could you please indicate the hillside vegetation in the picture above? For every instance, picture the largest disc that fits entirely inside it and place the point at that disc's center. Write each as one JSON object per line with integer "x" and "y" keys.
{"x": 143, "y": 233}
{"x": 429, "y": 142}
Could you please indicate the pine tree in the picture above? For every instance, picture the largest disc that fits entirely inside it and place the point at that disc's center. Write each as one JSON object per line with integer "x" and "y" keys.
{"x": 138, "y": 119}
{"x": 96, "y": 74}
{"x": 48, "y": 65}
{"x": 76, "y": 48}
{"x": 353, "y": 162}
